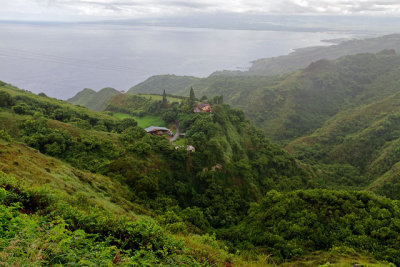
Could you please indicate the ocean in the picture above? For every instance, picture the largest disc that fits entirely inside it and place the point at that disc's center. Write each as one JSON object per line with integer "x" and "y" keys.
{"x": 62, "y": 59}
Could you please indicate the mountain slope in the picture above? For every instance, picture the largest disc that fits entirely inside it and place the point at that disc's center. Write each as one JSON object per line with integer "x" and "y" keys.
{"x": 301, "y": 58}
{"x": 295, "y": 104}
{"x": 96, "y": 101}
{"x": 365, "y": 137}
{"x": 115, "y": 176}
{"x": 150, "y": 165}
{"x": 281, "y": 223}
{"x": 82, "y": 97}
{"x": 292, "y": 105}
{"x": 107, "y": 192}
{"x": 172, "y": 84}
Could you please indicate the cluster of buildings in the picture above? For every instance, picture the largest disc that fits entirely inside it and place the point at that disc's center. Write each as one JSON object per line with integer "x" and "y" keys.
{"x": 157, "y": 130}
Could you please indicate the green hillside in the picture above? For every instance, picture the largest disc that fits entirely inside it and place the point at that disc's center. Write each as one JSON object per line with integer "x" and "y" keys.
{"x": 292, "y": 105}
{"x": 108, "y": 173}
{"x": 364, "y": 137}
{"x": 139, "y": 105}
{"x": 340, "y": 115}
{"x": 86, "y": 188}
{"x": 301, "y": 58}
{"x": 290, "y": 224}
{"x": 172, "y": 84}
{"x": 96, "y": 101}
{"x": 82, "y": 97}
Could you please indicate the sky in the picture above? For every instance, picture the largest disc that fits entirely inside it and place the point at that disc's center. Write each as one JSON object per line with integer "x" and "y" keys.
{"x": 70, "y": 10}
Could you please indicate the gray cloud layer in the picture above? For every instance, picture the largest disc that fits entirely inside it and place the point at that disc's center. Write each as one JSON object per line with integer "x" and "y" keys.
{"x": 94, "y": 9}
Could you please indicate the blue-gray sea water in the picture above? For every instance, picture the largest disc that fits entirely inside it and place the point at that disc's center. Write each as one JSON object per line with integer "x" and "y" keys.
{"x": 62, "y": 59}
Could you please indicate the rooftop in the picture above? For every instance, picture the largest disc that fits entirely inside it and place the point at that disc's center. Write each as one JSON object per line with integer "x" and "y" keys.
{"x": 156, "y": 128}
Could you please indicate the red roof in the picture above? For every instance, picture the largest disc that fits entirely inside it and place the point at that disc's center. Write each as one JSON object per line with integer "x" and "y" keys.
{"x": 202, "y": 107}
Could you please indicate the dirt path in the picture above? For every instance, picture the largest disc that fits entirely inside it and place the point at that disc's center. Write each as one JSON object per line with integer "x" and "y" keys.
{"x": 176, "y": 134}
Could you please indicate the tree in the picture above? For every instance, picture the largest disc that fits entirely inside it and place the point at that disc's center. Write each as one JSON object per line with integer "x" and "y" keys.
{"x": 218, "y": 99}
{"x": 192, "y": 97}
{"x": 164, "y": 100}
{"x": 125, "y": 124}
{"x": 203, "y": 98}
{"x": 5, "y": 99}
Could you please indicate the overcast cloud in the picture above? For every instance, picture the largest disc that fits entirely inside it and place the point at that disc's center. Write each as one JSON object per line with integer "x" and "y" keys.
{"x": 101, "y": 9}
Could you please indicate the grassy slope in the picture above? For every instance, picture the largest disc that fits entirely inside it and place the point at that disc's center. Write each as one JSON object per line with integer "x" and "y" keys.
{"x": 35, "y": 169}
{"x": 149, "y": 120}
{"x": 128, "y": 104}
{"x": 144, "y": 121}
{"x": 160, "y": 97}
{"x": 138, "y": 105}
{"x": 111, "y": 100}
{"x": 13, "y": 91}
{"x": 31, "y": 166}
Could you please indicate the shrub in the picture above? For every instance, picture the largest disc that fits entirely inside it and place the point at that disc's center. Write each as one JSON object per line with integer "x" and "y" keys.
{"x": 5, "y": 99}
{"x": 5, "y": 136}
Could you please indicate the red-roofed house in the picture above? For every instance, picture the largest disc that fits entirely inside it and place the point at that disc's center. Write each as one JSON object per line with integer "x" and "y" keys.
{"x": 204, "y": 107}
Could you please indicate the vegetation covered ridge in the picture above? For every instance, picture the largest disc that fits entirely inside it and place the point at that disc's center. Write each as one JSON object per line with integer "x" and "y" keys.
{"x": 136, "y": 198}
{"x": 295, "y": 104}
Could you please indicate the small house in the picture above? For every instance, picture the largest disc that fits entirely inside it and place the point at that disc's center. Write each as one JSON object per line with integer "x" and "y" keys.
{"x": 204, "y": 107}
{"x": 155, "y": 130}
{"x": 122, "y": 92}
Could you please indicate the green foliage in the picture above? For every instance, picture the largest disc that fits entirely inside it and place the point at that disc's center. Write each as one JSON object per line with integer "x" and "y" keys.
{"x": 130, "y": 104}
{"x": 149, "y": 120}
{"x": 37, "y": 134}
{"x": 29, "y": 104}
{"x": 218, "y": 188}
{"x": 192, "y": 97}
{"x": 170, "y": 116}
{"x": 295, "y": 223}
{"x": 5, "y": 136}
{"x": 289, "y": 106}
{"x": 125, "y": 124}
{"x": 164, "y": 103}
{"x": 87, "y": 152}
{"x": 5, "y": 99}
{"x": 23, "y": 108}
{"x": 65, "y": 233}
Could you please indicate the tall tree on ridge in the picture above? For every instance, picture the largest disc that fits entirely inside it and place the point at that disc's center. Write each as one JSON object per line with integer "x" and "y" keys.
{"x": 164, "y": 100}
{"x": 192, "y": 97}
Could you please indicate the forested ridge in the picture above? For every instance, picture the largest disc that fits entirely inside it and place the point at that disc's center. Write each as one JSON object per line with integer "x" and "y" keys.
{"x": 93, "y": 188}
